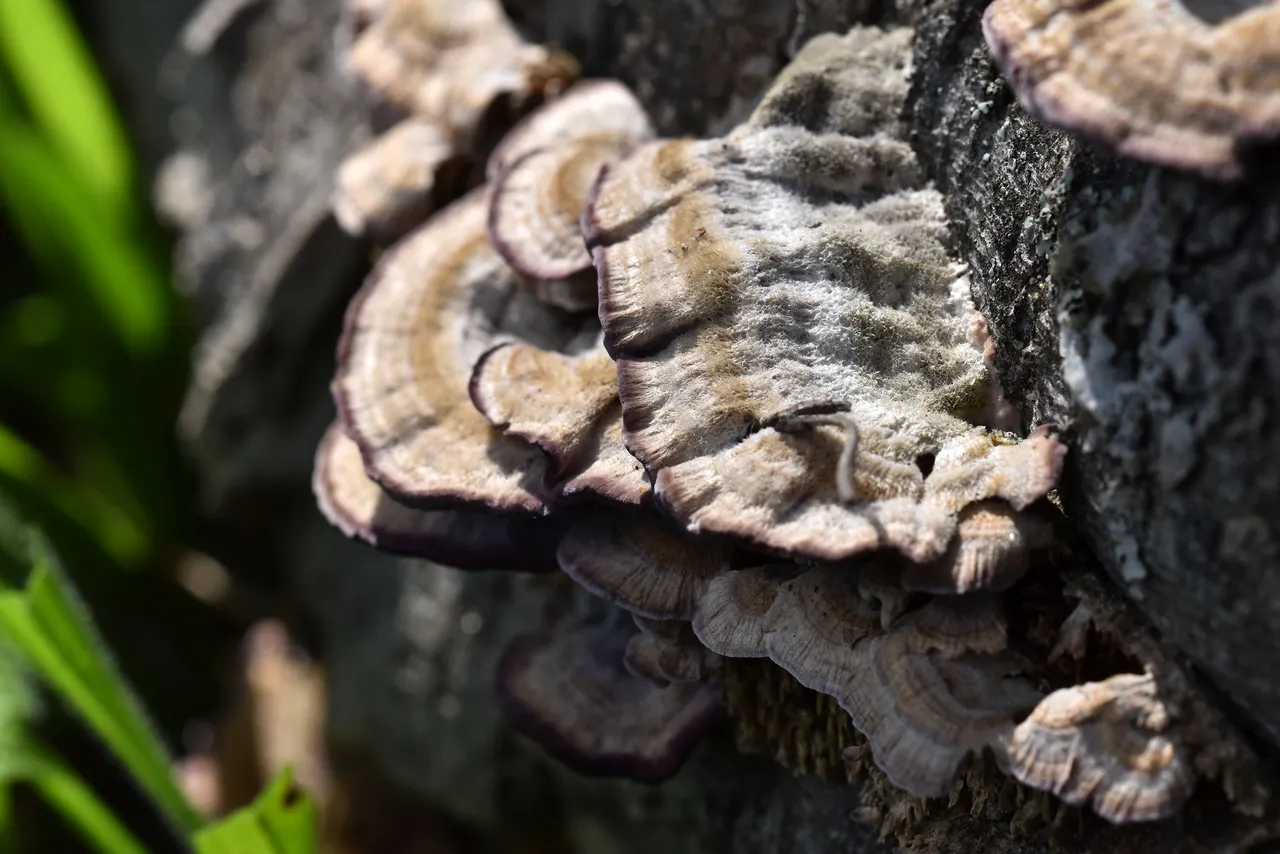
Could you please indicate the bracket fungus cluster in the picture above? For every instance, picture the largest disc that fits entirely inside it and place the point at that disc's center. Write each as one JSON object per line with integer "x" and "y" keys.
{"x": 1181, "y": 83}
{"x": 767, "y": 443}
{"x": 445, "y": 69}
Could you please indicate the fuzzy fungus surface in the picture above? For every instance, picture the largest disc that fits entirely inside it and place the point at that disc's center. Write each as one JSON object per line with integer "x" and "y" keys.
{"x": 991, "y": 551}
{"x": 434, "y": 304}
{"x": 384, "y": 188}
{"x": 756, "y": 286}
{"x": 1183, "y": 84}
{"x": 924, "y": 711}
{"x": 448, "y": 61}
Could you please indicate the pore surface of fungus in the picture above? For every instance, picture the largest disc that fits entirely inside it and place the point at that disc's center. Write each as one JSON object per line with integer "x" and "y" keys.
{"x": 1103, "y": 743}
{"x": 923, "y": 713}
{"x": 667, "y": 651}
{"x": 544, "y": 168}
{"x": 435, "y": 302}
{"x": 730, "y": 618}
{"x": 465, "y": 539}
{"x": 788, "y": 326}
{"x": 1181, "y": 84}
{"x": 568, "y": 688}
{"x": 633, "y": 561}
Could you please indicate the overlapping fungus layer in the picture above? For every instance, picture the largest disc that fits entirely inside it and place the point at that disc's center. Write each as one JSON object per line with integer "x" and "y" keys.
{"x": 763, "y": 444}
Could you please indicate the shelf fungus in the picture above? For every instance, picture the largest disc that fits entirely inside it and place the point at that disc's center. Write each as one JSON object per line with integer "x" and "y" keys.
{"x": 385, "y": 188}
{"x": 436, "y": 301}
{"x": 813, "y": 624}
{"x": 1106, "y": 743}
{"x": 991, "y": 551}
{"x": 927, "y": 692}
{"x": 452, "y": 68}
{"x": 544, "y": 168}
{"x": 465, "y": 539}
{"x": 450, "y": 61}
{"x": 730, "y": 618}
{"x": 635, "y": 562}
{"x": 1181, "y": 84}
{"x": 794, "y": 351}
{"x": 926, "y": 697}
{"x": 567, "y": 687}
{"x": 567, "y": 405}
{"x": 667, "y": 651}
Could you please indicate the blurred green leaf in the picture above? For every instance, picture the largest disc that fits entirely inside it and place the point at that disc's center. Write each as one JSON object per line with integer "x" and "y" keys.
{"x": 57, "y": 78}
{"x": 24, "y": 470}
{"x": 280, "y": 821}
{"x": 56, "y": 217}
{"x": 23, "y": 758}
{"x": 59, "y": 786}
{"x": 48, "y": 624}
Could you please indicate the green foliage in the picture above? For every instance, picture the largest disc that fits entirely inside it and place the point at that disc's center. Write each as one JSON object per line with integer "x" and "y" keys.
{"x": 280, "y": 821}
{"x": 93, "y": 360}
{"x": 47, "y": 626}
{"x": 93, "y": 348}
{"x": 24, "y": 760}
{"x": 57, "y": 76}
{"x": 47, "y": 623}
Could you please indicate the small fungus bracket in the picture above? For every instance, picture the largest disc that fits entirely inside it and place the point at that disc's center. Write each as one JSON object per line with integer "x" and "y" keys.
{"x": 567, "y": 687}
{"x": 1152, "y": 80}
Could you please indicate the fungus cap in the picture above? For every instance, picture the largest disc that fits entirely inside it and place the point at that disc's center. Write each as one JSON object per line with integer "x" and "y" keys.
{"x": 923, "y": 713}
{"x": 956, "y": 625}
{"x": 991, "y": 551}
{"x": 1104, "y": 743}
{"x": 746, "y": 282}
{"x": 435, "y": 302}
{"x": 459, "y": 538}
{"x": 1170, "y": 82}
{"x": 813, "y": 624}
{"x": 667, "y": 651}
{"x": 449, "y": 61}
{"x": 566, "y": 687}
{"x": 386, "y": 187}
{"x": 567, "y": 405}
{"x": 545, "y": 167}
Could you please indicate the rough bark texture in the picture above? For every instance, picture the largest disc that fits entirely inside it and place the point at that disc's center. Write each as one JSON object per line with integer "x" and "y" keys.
{"x": 1139, "y": 308}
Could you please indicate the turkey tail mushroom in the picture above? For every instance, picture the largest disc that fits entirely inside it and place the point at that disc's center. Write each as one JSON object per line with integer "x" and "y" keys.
{"x": 567, "y": 687}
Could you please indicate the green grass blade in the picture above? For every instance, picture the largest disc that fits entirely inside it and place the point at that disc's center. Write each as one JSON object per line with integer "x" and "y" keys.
{"x": 57, "y": 78}
{"x": 48, "y": 624}
{"x": 280, "y": 821}
{"x": 24, "y": 758}
{"x": 56, "y": 216}
{"x": 80, "y": 807}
